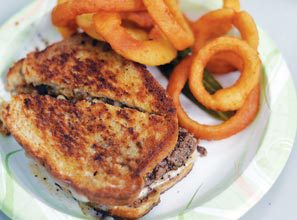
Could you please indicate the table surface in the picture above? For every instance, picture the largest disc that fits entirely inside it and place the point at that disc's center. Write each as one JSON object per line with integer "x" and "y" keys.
{"x": 278, "y": 19}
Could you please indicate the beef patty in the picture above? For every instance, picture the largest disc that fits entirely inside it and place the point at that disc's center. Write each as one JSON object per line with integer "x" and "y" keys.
{"x": 185, "y": 147}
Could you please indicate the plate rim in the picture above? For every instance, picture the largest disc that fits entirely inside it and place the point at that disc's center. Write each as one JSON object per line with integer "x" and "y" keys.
{"x": 198, "y": 211}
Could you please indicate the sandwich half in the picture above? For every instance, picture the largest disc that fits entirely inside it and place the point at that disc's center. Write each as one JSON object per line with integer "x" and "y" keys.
{"x": 101, "y": 125}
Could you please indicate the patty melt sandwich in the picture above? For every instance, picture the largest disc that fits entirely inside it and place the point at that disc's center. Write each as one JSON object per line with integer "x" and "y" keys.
{"x": 101, "y": 125}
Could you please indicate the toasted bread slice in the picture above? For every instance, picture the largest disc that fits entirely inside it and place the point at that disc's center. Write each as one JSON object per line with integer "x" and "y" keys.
{"x": 101, "y": 151}
{"x": 83, "y": 66}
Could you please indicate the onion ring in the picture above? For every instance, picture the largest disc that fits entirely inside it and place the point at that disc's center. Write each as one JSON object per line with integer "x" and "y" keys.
{"x": 149, "y": 52}
{"x": 243, "y": 117}
{"x": 231, "y": 98}
{"x": 142, "y": 19}
{"x": 171, "y": 21}
{"x": 227, "y": 4}
{"x": 66, "y": 12}
{"x": 212, "y": 25}
{"x": 85, "y": 22}
{"x": 217, "y": 23}
{"x": 68, "y": 31}
{"x": 233, "y": 4}
{"x": 247, "y": 28}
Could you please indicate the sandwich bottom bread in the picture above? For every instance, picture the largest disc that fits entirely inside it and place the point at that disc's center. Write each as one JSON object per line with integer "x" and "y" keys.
{"x": 101, "y": 125}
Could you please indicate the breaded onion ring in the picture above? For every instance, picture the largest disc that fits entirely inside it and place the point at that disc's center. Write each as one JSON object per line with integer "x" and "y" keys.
{"x": 233, "y": 97}
{"x": 169, "y": 18}
{"x": 149, "y": 52}
{"x": 68, "y": 31}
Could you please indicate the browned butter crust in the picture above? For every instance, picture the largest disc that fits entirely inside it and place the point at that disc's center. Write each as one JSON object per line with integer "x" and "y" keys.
{"x": 102, "y": 151}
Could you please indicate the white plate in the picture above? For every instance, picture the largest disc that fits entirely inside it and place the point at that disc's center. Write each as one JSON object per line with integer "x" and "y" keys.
{"x": 224, "y": 185}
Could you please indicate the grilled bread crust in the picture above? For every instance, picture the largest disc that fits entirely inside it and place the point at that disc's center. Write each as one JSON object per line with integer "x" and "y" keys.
{"x": 101, "y": 151}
